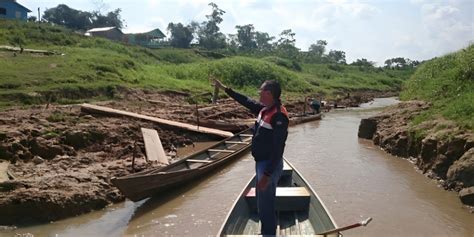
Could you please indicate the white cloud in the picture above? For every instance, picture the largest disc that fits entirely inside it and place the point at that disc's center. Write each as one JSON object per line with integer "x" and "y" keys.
{"x": 447, "y": 23}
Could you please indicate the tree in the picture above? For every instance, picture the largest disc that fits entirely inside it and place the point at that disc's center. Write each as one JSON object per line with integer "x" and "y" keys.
{"x": 181, "y": 36}
{"x": 414, "y": 63}
{"x": 337, "y": 56}
{"x": 112, "y": 18}
{"x": 263, "y": 41}
{"x": 18, "y": 39}
{"x": 32, "y": 19}
{"x": 363, "y": 63}
{"x": 68, "y": 17}
{"x": 209, "y": 33}
{"x": 246, "y": 37}
{"x": 397, "y": 63}
{"x": 401, "y": 63}
{"x": 82, "y": 20}
{"x": 100, "y": 6}
{"x": 286, "y": 45}
{"x": 287, "y": 38}
{"x": 232, "y": 43}
{"x": 319, "y": 48}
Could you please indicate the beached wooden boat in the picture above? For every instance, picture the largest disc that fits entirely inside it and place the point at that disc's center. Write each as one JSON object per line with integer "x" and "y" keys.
{"x": 299, "y": 209}
{"x": 304, "y": 118}
{"x": 237, "y": 125}
{"x": 227, "y": 125}
{"x": 147, "y": 183}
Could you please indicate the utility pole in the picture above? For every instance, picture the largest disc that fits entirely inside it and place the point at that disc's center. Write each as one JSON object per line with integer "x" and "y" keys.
{"x": 39, "y": 15}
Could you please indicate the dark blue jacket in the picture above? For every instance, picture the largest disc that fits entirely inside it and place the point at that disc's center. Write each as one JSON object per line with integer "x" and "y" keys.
{"x": 269, "y": 132}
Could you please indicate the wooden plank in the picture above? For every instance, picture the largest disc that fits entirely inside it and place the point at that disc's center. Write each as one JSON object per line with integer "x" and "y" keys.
{"x": 223, "y": 151}
{"x": 285, "y": 192}
{"x": 297, "y": 224}
{"x": 236, "y": 142}
{"x": 247, "y": 140}
{"x": 246, "y": 135}
{"x": 115, "y": 112}
{"x": 4, "y": 171}
{"x": 287, "y": 198}
{"x": 278, "y": 224}
{"x": 153, "y": 147}
{"x": 16, "y": 49}
{"x": 199, "y": 161}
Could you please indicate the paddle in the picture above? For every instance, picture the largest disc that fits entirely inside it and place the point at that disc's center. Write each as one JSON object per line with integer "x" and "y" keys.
{"x": 362, "y": 223}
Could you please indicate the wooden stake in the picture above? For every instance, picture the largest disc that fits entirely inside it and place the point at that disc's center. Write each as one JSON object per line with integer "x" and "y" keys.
{"x": 216, "y": 94}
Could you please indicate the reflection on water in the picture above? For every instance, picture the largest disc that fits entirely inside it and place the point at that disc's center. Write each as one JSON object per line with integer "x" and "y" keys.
{"x": 353, "y": 177}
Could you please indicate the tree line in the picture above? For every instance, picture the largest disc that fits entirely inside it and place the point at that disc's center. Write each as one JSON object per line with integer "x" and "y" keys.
{"x": 207, "y": 34}
{"x": 81, "y": 20}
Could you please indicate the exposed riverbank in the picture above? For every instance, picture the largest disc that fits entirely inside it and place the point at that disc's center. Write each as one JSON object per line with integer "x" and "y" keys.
{"x": 442, "y": 151}
{"x": 57, "y": 162}
{"x": 352, "y": 176}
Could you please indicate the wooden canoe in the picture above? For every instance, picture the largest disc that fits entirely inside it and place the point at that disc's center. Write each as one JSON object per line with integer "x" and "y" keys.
{"x": 304, "y": 118}
{"x": 299, "y": 209}
{"x": 144, "y": 184}
{"x": 227, "y": 125}
{"x": 242, "y": 124}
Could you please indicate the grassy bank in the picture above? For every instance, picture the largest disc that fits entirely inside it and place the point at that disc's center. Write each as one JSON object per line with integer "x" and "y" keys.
{"x": 448, "y": 83}
{"x": 94, "y": 69}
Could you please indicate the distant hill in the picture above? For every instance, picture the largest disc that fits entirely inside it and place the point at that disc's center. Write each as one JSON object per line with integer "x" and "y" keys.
{"x": 88, "y": 68}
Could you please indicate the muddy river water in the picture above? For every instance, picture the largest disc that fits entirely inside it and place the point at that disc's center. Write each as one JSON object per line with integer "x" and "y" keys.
{"x": 354, "y": 178}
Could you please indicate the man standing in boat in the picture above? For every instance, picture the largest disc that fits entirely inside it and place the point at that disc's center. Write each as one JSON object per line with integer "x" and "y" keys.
{"x": 268, "y": 143}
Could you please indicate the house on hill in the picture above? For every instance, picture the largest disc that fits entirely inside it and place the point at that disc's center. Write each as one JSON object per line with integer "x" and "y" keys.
{"x": 112, "y": 33}
{"x": 11, "y": 9}
{"x": 151, "y": 39}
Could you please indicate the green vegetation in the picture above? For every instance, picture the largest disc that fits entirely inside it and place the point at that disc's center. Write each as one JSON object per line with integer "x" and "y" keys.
{"x": 448, "y": 83}
{"x": 94, "y": 69}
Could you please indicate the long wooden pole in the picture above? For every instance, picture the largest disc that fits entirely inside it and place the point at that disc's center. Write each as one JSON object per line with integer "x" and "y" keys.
{"x": 115, "y": 112}
{"x": 362, "y": 223}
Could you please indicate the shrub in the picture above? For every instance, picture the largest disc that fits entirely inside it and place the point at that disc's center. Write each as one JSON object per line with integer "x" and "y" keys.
{"x": 289, "y": 64}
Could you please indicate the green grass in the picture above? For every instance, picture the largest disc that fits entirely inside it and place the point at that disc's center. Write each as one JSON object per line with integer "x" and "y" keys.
{"x": 96, "y": 69}
{"x": 448, "y": 83}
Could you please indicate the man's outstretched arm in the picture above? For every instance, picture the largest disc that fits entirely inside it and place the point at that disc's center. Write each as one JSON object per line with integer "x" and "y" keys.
{"x": 247, "y": 102}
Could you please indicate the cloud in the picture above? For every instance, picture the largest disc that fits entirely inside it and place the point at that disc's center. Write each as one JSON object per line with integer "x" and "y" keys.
{"x": 448, "y": 22}
{"x": 356, "y": 9}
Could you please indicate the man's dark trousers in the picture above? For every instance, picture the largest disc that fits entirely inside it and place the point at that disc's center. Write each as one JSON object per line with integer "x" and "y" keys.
{"x": 266, "y": 198}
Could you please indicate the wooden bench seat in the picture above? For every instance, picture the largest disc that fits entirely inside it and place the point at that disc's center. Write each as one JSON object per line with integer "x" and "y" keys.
{"x": 198, "y": 161}
{"x": 236, "y": 142}
{"x": 220, "y": 150}
{"x": 287, "y": 198}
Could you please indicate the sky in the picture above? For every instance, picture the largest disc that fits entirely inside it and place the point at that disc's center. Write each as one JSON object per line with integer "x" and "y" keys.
{"x": 373, "y": 29}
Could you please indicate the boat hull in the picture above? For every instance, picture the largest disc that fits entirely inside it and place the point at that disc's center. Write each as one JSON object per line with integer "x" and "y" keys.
{"x": 145, "y": 184}
{"x": 243, "y": 218}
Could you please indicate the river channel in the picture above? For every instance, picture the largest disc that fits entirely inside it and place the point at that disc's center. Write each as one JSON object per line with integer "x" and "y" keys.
{"x": 354, "y": 178}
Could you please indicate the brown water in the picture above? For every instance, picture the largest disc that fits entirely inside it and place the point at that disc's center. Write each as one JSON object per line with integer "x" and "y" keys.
{"x": 353, "y": 177}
